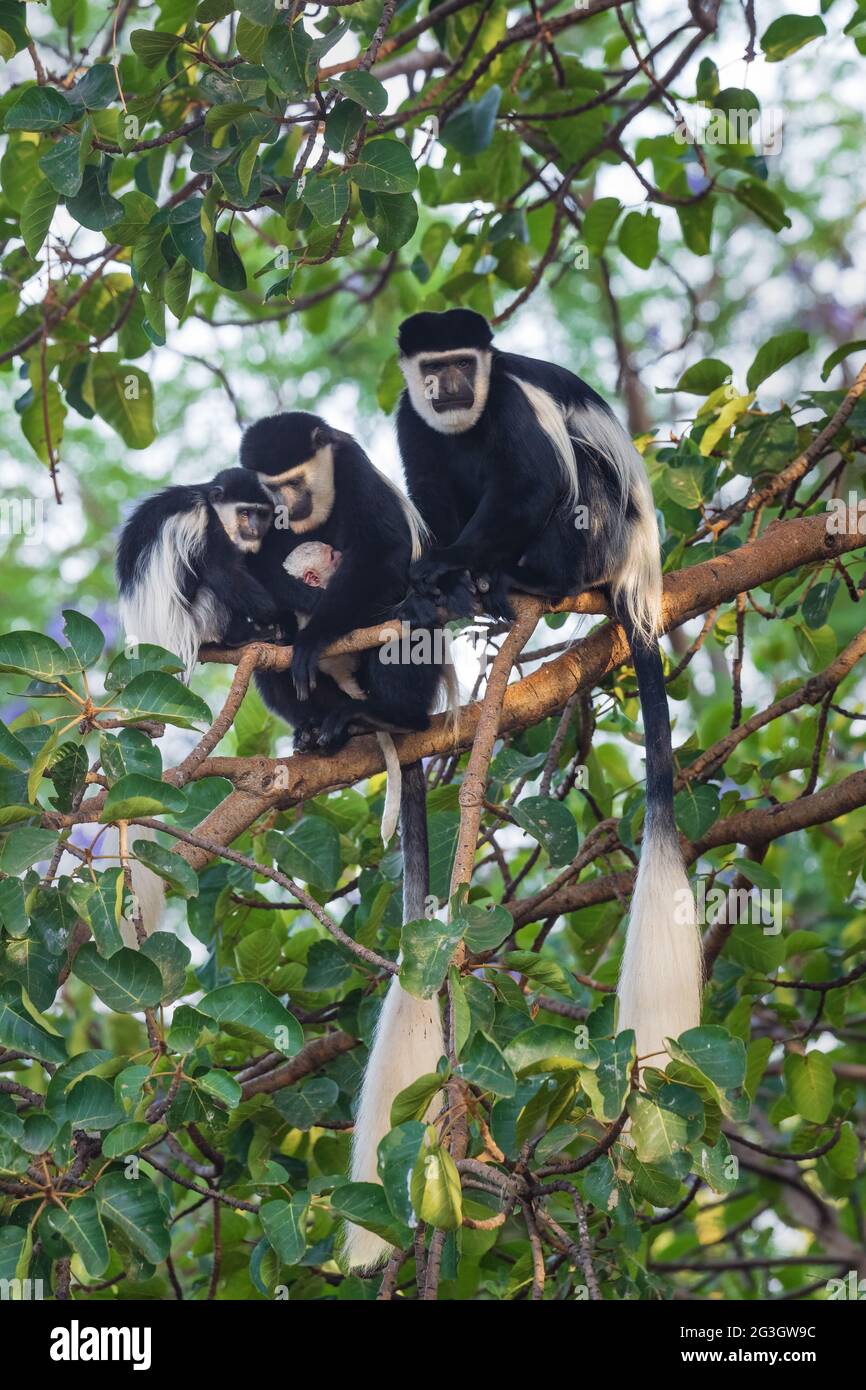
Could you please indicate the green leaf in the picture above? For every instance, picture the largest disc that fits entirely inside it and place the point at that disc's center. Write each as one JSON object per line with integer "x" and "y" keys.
{"x": 79, "y": 1225}
{"x": 789, "y": 33}
{"x": 134, "y": 796}
{"x": 32, "y": 654}
{"x": 151, "y": 46}
{"x": 125, "y": 1138}
{"x": 762, "y": 201}
{"x": 259, "y": 12}
{"x": 385, "y": 166}
{"x": 180, "y": 877}
{"x": 365, "y": 1204}
{"x": 13, "y": 754}
{"x": 29, "y": 961}
{"x": 327, "y": 197}
{"x": 285, "y": 55}
{"x": 39, "y": 108}
{"x": 616, "y": 1058}
{"x": 222, "y": 1086}
{"x": 135, "y": 1209}
{"x": 413, "y": 1102}
{"x": 252, "y": 1006}
{"x": 302, "y": 1107}
{"x": 123, "y": 396}
{"x": 84, "y": 638}
{"x": 100, "y": 905}
{"x": 155, "y": 695}
{"x": 21, "y": 848}
{"x": 363, "y": 88}
{"x": 97, "y": 89}
{"x": 484, "y": 1065}
{"x": 309, "y": 850}
{"x": 470, "y": 130}
{"x": 398, "y": 1154}
{"x": 551, "y": 823}
{"x": 435, "y": 1189}
{"x": 715, "y": 1053}
{"x": 61, "y": 165}
{"x": 36, "y": 215}
{"x": 171, "y": 958}
{"x": 13, "y": 913}
{"x": 544, "y": 1047}
{"x": 342, "y": 125}
{"x": 656, "y": 1132}
{"x": 284, "y": 1223}
{"x": 91, "y": 1104}
{"x": 177, "y": 286}
{"x": 125, "y": 982}
{"x": 393, "y": 217}
{"x": 483, "y": 927}
{"x": 598, "y": 223}
{"x": 704, "y": 377}
{"x": 19, "y": 1033}
{"x": 839, "y": 354}
{"x": 93, "y": 205}
{"x": 639, "y": 238}
{"x": 427, "y": 948}
{"x": 775, "y": 354}
{"x": 45, "y": 401}
{"x": 696, "y": 808}
{"x": 810, "y": 1083}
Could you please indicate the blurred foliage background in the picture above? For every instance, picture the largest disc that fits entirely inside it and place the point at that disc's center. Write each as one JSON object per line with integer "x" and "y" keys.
{"x": 261, "y": 260}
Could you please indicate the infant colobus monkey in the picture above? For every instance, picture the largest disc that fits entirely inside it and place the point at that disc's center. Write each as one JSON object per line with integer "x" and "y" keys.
{"x": 182, "y": 566}
{"x": 536, "y": 481}
{"x": 315, "y": 563}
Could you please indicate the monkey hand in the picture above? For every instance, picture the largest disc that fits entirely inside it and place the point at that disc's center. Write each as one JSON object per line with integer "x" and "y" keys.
{"x": 427, "y": 571}
{"x": 493, "y": 596}
{"x": 305, "y": 661}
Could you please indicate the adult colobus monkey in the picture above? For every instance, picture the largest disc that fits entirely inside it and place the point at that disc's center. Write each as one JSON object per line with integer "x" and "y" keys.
{"x": 331, "y": 492}
{"x": 538, "y": 483}
{"x": 182, "y": 566}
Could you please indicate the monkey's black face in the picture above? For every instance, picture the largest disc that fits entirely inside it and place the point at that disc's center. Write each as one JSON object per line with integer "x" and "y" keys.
{"x": 293, "y": 498}
{"x": 448, "y": 388}
{"x": 449, "y": 382}
{"x": 253, "y": 521}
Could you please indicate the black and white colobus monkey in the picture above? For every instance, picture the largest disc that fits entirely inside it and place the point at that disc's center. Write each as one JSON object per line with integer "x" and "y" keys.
{"x": 182, "y": 566}
{"x": 520, "y": 469}
{"x": 331, "y": 492}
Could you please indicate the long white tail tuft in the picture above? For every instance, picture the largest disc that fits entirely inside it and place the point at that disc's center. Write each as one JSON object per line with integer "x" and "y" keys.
{"x": 391, "y": 811}
{"x": 147, "y": 886}
{"x": 408, "y": 1041}
{"x": 662, "y": 968}
{"x": 408, "y": 1044}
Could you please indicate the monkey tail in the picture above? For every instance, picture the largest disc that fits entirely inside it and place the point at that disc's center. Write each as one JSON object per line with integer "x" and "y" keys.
{"x": 393, "y": 786}
{"x": 661, "y": 977}
{"x": 147, "y": 886}
{"x": 408, "y": 1041}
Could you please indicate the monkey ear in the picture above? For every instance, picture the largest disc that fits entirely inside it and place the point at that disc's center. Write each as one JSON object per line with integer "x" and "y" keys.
{"x": 216, "y": 494}
{"x": 322, "y": 435}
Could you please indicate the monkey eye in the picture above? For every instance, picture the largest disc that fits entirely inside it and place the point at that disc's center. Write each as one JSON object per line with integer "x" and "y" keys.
{"x": 244, "y": 512}
{"x": 465, "y": 362}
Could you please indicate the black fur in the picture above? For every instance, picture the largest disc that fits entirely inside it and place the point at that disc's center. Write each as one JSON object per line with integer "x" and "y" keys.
{"x": 456, "y": 328}
{"x": 219, "y": 566}
{"x": 494, "y": 497}
{"x": 368, "y": 526}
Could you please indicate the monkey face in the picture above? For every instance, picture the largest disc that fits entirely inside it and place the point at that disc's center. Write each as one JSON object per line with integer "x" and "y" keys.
{"x": 448, "y": 389}
{"x": 245, "y": 523}
{"x": 449, "y": 382}
{"x": 314, "y": 562}
{"x": 304, "y": 494}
